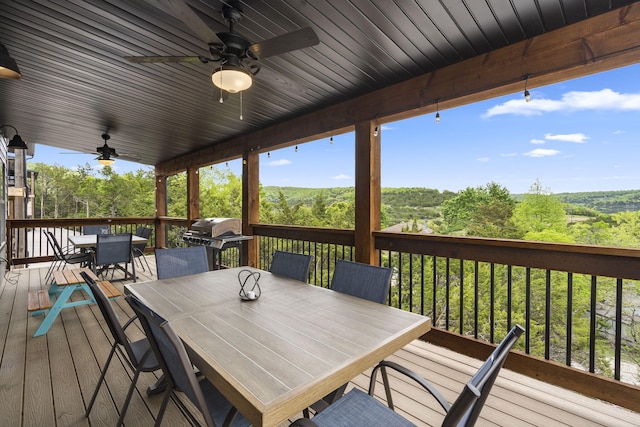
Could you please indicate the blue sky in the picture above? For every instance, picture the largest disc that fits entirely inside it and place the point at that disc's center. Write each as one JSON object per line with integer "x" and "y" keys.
{"x": 579, "y": 135}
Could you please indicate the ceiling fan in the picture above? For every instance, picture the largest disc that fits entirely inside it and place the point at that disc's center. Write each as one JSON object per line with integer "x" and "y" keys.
{"x": 107, "y": 154}
{"x": 236, "y": 56}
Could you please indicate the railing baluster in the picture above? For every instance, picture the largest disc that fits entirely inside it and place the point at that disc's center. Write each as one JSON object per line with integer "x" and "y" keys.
{"x": 461, "y": 314}
{"x": 547, "y": 315}
{"x": 569, "y": 319}
{"x": 527, "y": 293}
{"x": 592, "y": 326}
{"x": 618, "y": 323}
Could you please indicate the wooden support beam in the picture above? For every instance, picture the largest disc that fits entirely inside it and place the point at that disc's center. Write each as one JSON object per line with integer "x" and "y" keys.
{"x": 601, "y": 43}
{"x": 368, "y": 191}
{"x": 250, "y": 206}
{"x": 193, "y": 194}
{"x": 161, "y": 210}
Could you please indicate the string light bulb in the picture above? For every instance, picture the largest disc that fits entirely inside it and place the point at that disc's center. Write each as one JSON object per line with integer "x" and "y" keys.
{"x": 527, "y": 95}
{"x": 375, "y": 131}
{"x": 268, "y": 154}
{"x": 437, "y": 111}
{"x": 296, "y": 150}
{"x": 331, "y": 140}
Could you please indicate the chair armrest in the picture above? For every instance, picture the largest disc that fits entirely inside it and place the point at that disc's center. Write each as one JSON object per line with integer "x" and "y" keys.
{"x": 303, "y": 422}
{"x": 414, "y": 376}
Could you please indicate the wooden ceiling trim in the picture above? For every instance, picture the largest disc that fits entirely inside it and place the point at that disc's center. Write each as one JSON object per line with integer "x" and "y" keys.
{"x": 604, "y": 42}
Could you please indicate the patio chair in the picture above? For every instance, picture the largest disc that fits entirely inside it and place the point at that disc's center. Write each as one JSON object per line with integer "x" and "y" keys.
{"x": 179, "y": 374}
{"x": 63, "y": 257}
{"x": 358, "y": 408}
{"x": 112, "y": 250}
{"x": 96, "y": 229}
{"x": 137, "y": 354}
{"x": 176, "y": 262}
{"x": 365, "y": 281}
{"x": 291, "y": 265}
{"x": 138, "y": 248}
{"x": 362, "y": 280}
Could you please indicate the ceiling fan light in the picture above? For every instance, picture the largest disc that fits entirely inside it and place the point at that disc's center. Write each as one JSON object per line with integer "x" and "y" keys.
{"x": 232, "y": 79}
{"x": 106, "y": 161}
{"x": 8, "y": 66}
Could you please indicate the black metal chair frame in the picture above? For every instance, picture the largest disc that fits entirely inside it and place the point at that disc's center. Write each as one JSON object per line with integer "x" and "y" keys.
{"x": 62, "y": 256}
{"x": 138, "y": 354}
{"x": 111, "y": 251}
{"x": 463, "y": 412}
{"x": 138, "y": 248}
{"x": 179, "y": 373}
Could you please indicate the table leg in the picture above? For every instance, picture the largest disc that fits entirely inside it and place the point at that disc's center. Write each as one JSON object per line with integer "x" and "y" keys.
{"x": 54, "y": 311}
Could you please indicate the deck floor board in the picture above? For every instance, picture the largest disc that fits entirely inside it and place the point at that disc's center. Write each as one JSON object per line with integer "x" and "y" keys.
{"x": 49, "y": 380}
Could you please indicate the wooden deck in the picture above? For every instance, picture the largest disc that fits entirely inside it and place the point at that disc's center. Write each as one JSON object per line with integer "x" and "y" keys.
{"x": 48, "y": 380}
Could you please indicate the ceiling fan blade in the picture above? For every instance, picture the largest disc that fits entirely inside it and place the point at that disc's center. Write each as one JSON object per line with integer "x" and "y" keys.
{"x": 186, "y": 14}
{"x": 298, "y": 39}
{"x": 283, "y": 83}
{"x": 152, "y": 59}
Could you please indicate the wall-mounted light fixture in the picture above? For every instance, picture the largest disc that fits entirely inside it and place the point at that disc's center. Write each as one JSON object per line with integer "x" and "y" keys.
{"x": 527, "y": 95}
{"x": 8, "y": 66}
{"x": 16, "y": 141}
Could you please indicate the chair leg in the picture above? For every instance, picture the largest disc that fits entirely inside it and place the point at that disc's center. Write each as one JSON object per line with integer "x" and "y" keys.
{"x": 163, "y": 407}
{"x": 102, "y": 374}
{"x": 125, "y": 406}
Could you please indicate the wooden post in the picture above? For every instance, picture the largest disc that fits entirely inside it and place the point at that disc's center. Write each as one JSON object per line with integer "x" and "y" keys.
{"x": 250, "y": 206}
{"x": 368, "y": 192}
{"x": 161, "y": 210}
{"x": 193, "y": 194}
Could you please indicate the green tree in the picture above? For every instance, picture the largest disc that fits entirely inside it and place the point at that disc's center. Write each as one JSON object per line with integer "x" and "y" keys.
{"x": 480, "y": 211}
{"x": 541, "y": 215}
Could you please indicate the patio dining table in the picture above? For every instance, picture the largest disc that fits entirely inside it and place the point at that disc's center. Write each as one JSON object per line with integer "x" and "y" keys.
{"x": 276, "y": 355}
{"x": 85, "y": 241}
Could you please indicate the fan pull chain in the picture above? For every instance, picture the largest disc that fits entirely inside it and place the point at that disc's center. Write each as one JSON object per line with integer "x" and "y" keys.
{"x": 241, "y": 118}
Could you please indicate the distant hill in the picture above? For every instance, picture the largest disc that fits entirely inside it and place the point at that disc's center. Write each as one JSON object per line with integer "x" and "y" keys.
{"x": 604, "y": 201}
{"x": 407, "y": 203}
{"x": 400, "y": 204}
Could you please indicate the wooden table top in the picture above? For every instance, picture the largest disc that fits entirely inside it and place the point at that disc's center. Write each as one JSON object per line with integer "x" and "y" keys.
{"x": 71, "y": 276}
{"x": 277, "y": 355}
{"x": 90, "y": 240}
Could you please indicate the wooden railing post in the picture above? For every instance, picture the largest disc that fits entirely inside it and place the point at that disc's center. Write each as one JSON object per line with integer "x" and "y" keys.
{"x": 193, "y": 194}
{"x": 368, "y": 192}
{"x": 250, "y": 206}
{"x": 161, "y": 210}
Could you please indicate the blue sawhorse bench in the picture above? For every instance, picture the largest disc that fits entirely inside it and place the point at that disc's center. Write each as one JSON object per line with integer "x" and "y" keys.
{"x": 65, "y": 283}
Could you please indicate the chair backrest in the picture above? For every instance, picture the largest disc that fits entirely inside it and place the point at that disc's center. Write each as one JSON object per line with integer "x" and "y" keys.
{"x": 109, "y": 315}
{"x": 113, "y": 248}
{"x": 171, "y": 354}
{"x": 362, "y": 280}
{"x": 96, "y": 229}
{"x": 466, "y": 409}
{"x": 57, "y": 250}
{"x": 291, "y": 265}
{"x": 145, "y": 232}
{"x": 176, "y": 262}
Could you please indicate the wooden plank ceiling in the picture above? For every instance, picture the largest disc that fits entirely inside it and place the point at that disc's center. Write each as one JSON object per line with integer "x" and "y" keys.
{"x": 76, "y": 82}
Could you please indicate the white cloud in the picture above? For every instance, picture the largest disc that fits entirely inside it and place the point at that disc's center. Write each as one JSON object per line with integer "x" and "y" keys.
{"x": 282, "y": 162}
{"x": 542, "y": 152}
{"x": 340, "y": 177}
{"x": 483, "y": 159}
{"x": 537, "y": 141}
{"x": 508, "y": 154}
{"x": 570, "y": 137}
{"x": 605, "y": 99}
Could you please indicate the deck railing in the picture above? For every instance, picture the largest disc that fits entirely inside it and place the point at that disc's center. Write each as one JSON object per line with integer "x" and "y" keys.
{"x": 579, "y": 304}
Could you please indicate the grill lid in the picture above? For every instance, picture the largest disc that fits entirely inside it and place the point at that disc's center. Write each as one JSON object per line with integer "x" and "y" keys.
{"x": 218, "y": 226}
